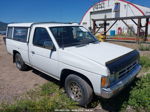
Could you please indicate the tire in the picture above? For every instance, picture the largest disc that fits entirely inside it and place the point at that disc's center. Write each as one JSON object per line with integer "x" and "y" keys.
{"x": 20, "y": 63}
{"x": 78, "y": 90}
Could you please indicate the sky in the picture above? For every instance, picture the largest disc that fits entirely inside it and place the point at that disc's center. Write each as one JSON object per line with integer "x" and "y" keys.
{"x": 48, "y": 10}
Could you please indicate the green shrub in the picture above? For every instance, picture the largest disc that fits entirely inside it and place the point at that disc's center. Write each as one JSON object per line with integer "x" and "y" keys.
{"x": 145, "y": 61}
{"x": 140, "y": 95}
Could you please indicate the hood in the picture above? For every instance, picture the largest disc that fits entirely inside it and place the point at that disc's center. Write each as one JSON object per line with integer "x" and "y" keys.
{"x": 100, "y": 53}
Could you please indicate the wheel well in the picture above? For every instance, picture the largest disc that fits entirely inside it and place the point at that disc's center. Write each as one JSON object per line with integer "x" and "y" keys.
{"x": 66, "y": 72}
{"x": 14, "y": 53}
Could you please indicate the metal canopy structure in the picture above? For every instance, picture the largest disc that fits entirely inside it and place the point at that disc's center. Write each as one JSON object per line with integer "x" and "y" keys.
{"x": 123, "y": 18}
{"x": 138, "y": 24}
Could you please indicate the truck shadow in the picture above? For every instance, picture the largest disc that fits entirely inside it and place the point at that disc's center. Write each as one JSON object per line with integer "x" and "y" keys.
{"x": 114, "y": 104}
{"x": 48, "y": 78}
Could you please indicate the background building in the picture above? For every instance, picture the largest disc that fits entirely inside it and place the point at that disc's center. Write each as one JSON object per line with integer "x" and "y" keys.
{"x": 114, "y": 9}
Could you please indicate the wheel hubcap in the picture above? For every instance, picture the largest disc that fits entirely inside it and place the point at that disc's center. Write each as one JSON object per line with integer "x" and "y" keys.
{"x": 76, "y": 93}
{"x": 18, "y": 62}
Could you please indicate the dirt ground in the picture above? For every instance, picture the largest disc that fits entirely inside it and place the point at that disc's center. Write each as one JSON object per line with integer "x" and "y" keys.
{"x": 14, "y": 83}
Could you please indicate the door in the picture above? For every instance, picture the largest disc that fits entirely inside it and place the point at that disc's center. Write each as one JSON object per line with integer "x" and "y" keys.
{"x": 41, "y": 55}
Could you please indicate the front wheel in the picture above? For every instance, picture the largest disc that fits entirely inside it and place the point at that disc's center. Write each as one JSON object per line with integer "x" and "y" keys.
{"x": 78, "y": 90}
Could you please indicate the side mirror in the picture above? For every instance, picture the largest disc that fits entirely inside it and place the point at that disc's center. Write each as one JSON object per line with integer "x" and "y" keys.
{"x": 49, "y": 45}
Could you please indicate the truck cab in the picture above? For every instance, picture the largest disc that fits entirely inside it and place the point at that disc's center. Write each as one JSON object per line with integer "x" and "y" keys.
{"x": 72, "y": 55}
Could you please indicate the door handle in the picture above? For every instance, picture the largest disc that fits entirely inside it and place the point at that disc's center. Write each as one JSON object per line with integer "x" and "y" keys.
{"x": 32, "y": 52}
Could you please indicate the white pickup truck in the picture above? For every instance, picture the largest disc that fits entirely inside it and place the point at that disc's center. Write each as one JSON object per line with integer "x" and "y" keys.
{"x": 71, "y": 54}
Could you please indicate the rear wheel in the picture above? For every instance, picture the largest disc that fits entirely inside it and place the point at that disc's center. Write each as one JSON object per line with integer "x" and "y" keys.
{"x": 20, "y": 63}
{"x": 78, "y": 90}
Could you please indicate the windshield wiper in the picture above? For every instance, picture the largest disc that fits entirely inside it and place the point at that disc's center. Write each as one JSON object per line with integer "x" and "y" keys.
{"x": 72, "y": 44}
{"x": 94, "y": 42}
{"x": 81, "y": 45}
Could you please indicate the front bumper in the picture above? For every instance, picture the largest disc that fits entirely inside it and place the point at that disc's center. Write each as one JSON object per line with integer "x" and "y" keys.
{"x": 113, "y": 90}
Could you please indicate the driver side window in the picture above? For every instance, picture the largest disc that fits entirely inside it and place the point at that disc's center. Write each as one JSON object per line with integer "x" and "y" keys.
{"x": 41, "y": 37}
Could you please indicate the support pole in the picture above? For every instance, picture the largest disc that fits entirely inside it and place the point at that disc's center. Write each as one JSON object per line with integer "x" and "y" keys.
{"x": 146, "y": 29}
{"x": 138, "y": 30}
{"x": 128, "y": 26}
{"x": 134, "y": 22}
{"x": 137, "y": 24}
{"x": 105, "y": 28}
{"x": 98, "y": 30}
{"x": 94, "y": 26}
{"x": 112, "y": 25}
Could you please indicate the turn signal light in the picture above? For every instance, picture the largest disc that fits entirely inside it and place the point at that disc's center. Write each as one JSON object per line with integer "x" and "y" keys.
{"x": 104, "y": 82}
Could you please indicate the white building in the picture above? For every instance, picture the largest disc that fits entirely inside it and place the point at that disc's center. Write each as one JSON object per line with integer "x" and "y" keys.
{"x": 114, "y": 9}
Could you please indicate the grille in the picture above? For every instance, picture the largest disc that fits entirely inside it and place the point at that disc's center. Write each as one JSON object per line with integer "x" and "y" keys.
{"x": 126, "y": 70}
{"x": 124, "y": 64}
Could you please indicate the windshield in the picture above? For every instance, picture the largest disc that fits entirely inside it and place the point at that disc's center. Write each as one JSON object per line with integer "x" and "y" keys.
{"x": 72, "y": 36}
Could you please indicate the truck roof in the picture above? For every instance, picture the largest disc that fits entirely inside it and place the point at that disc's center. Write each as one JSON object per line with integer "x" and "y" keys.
{"x": 49, "y": 24}
{"x": 20, "y": 24}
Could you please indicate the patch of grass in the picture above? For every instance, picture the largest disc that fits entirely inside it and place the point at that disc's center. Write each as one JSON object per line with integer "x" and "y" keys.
{"x": 140, "y": 94}
{"x": 145, "y": 61}
{"x": 139, "y": 98}
{"x": 144, "y": 47}
{"x": 46, "y": 98}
